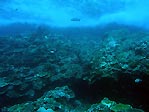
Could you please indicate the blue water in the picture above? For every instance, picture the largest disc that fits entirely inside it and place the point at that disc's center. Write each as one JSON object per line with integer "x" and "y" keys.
{"x": 60, "y": 12}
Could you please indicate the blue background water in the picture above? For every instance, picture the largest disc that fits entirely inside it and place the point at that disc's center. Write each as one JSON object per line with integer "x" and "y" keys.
{"x": 60, "y": 12}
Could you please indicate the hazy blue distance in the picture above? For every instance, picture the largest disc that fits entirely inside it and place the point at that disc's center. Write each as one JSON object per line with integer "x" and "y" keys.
{"x": 90, "y": 12}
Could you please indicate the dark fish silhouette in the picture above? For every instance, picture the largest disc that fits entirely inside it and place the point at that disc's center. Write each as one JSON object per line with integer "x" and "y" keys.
{"x": 75, "y": 19}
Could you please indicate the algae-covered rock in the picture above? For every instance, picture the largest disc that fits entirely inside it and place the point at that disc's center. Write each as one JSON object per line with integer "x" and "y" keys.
{"x": 27, "y": 107}
{"x": 124, "y": 108}
{"x": 120, "y": 107}
{"x": 108, "y": 102}
{"x": 107, "y": 105}
{"x": 61, "y": 92}
{"x": 98, "y": 108}
{"x": 42, "y": 109}
{"x": 3, "y": 85}
{"x": 3, "y": 82}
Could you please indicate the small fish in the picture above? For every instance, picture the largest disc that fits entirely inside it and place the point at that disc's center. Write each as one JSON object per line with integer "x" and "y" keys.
{"x": 138, "y": 80}
{"x": 75, "y": 19}
{"x": 52, "y": 51}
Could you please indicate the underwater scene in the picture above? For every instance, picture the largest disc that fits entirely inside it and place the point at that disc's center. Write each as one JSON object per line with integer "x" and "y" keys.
{"x": 74, "y": 56}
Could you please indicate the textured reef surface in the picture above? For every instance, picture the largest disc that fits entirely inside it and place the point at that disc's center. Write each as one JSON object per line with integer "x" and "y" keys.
{"x": 75, "y": 70}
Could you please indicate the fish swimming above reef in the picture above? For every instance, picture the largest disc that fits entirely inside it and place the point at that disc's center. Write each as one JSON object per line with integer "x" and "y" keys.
{"x": 75, "y": 19}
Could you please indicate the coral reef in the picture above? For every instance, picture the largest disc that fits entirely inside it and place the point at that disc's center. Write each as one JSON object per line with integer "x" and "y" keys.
{"x": 61, "y": 99}
{"x": 119, "y": 54}
{"x": 44, "y": 70}
{"x": 111, "y": 106}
